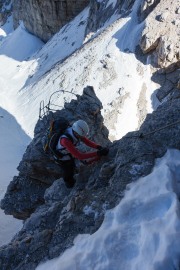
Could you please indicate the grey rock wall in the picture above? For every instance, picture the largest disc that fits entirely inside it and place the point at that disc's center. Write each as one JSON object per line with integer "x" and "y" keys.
{"x": 101, "y": 11}
{"x": 161, "y": 33}
{"x": 45, "y": 18}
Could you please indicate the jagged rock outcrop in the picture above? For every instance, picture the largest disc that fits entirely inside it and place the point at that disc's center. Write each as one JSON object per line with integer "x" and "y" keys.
{"x": 36, "y": 170}
{"x": 66, "y": 213}
{"x": 101, "y": 11}
{"x": 168, "y": 85}
{"x": 5, "y": 10}
{"x": 160, "y": 42}
{"x": 161, "y": 33}
{"x": 45, "y": 18}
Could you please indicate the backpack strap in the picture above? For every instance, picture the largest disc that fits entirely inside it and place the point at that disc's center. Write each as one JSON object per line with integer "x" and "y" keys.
{"x": 53, "y": 142}
{"x": 57, "y": 154}
{"x": 68, "y": 136}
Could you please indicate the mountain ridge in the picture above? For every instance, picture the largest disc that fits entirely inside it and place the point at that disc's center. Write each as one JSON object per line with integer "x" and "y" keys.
{"x": 53, "y": 215}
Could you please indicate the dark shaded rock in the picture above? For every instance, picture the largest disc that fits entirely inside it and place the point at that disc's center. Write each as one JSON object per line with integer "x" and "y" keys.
{"x": 168, "y": 85}
{"x": 23, "y": 196}
{"x": 147, "y": 7}
{"x": 37, "y": 171}
{"x": 100, "y": 12}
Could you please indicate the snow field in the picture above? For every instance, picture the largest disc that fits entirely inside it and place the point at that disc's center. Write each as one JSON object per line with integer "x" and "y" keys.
{"x": 13, "y": 142}
{"x": 14, "y": 48}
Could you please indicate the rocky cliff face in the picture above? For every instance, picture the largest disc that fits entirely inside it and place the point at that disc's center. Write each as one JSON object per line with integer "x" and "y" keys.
{"x": 5, "y": 10}
{"x": 160, "y": 41}
{"x": 100, "y": 12}
{"x": 45, "y": 18}
{"x": 53, "y": 215}
{"x": 36, "y": 171}
{"x": 161, "y": 35}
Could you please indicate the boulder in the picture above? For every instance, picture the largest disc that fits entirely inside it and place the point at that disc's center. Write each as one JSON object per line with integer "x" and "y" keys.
{"x": 161, "y": 35}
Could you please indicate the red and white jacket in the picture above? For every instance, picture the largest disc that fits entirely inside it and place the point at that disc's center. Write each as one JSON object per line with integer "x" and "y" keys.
{"x": 67, "y": 147}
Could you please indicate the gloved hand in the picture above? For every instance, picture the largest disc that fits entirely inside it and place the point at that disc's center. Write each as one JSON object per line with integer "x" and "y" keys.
{"x": 103, "y": 151}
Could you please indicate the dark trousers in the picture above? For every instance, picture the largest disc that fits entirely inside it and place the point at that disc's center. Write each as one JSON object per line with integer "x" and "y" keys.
{"x": 68, "y": 167}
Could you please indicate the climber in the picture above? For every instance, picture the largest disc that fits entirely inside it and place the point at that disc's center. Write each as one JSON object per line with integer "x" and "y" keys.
{"x": 68, "y": 152}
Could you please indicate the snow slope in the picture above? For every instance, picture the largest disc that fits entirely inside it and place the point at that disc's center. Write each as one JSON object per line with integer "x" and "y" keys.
{"x": 7, "y": 28}
{"x": 13, "y": 142}
{"x": 118, "y": 79}
{"x": 14, "y": 48}
{"x": 142, "y": 232}
{"x": 121, "y": 77}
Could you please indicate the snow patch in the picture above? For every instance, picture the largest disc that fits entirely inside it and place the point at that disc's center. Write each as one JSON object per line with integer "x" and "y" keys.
{"x": 24, "y": 49}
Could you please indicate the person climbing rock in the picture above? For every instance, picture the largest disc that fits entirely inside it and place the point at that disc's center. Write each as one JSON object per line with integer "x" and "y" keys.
{"x": 66, "y": 147}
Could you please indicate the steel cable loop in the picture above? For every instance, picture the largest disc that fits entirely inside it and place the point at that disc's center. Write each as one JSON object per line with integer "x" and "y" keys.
{"x": 141, "y": 135}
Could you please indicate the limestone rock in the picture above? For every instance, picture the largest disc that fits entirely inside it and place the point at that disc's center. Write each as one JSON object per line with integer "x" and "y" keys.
{"x": 161, "y": 34}
{"x": 101, "y": 11}
{"x": 146, "y": 7}
{"x": 45, "y": 18}
{"x": 169, "y": 88}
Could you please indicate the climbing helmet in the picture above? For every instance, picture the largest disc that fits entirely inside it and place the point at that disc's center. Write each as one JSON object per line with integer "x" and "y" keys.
{"x": 81, "y": 128}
